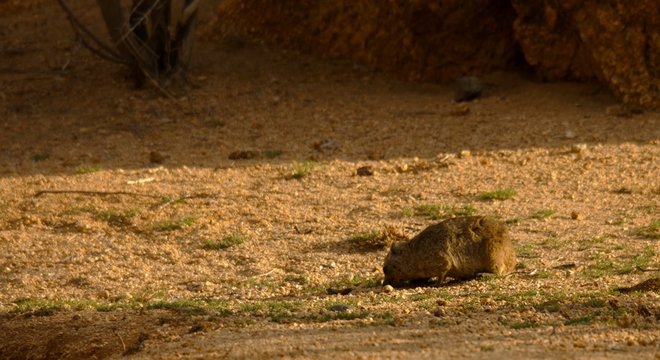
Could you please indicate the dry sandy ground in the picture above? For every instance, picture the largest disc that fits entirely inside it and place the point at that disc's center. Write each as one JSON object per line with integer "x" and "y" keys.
{"x": 181, "y": 247}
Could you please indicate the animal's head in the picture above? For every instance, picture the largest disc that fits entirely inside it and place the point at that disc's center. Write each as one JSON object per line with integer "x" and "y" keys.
{"x": 394, "y": 266}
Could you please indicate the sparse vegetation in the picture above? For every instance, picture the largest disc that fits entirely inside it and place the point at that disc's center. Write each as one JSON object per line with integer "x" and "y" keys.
{"x": 526, "y": 251}
{"x": 583, "y": 320}
{"x": 40, "y": 157}
{"x": 175, "y": 224}
{"x": 271, "y": 154}
{"x": 118, "y": 217}
{"x": 651, "y": 231}
{"x": 500, "y": 194}
{"x": 300, "y": 170}
{"x": 523, "y": 325}
{"x": 439, "y": 212}
{"x": 542, "y": 214}
{"x": 226, "y": 242}
{"x": 87, "y": 169}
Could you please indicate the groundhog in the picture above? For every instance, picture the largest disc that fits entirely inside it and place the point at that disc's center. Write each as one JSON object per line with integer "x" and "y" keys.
{"x": 459, "y": 248}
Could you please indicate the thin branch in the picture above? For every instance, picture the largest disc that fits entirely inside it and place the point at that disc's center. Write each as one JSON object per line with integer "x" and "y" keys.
{"x": 91, "y": 192}
{"x": 79, "y": 27}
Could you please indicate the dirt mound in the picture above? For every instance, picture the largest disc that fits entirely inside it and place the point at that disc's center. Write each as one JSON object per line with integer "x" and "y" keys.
{"x": 401, "y": 37}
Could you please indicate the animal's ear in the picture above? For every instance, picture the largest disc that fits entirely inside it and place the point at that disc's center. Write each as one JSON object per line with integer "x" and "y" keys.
{"x": 395, "y": 249}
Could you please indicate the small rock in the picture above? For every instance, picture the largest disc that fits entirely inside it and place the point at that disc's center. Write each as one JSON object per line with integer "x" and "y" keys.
{"x": 388, "y": 289}
{"x": 439, "y": 312}
{"x": 468, "y": 88}
{"x": 622, "y": 111}
{"x": 631, "y": 341}
{"x": 580, "y": 344}
{"x": 365, "y": 171}
{"x": 243, "y": 155}
{"x": 579, "y": 148}
{"x": 196, "y": 328}
{"x": 575, "y": 215}
{"x": 464, "y": 154}
{"x": 569, "y": 134}
{"x": 156, "y": 158}
{"x": 441, "y": 302}
{"x": 326, "y": 146}
{"x": 460, "y": 110}
{"x": 334, "y": 291}
{"x": 339, "y": 307}
{"x": 195, "y": 286}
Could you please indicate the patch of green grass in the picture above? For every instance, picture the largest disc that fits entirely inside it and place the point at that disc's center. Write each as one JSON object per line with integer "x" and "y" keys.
{"x": 86, "y": 169}
{"x": 512, "y": 221}
{"x": 543, "y": 275}
{"x": 354, "y": 281}
{"x": 191, "y": 307}
{"x": 625, "y": 265}
{"x": 117, "y": 217}
{"x": 651, "y": 231}
{"x": 499, "y": 194}
{"x": 645, "y": 258}
{"x": 407, "y": 212}
{"x": 271, "y": 154}
{"x": 175, "y": 224}
{"x": 300, "y": 170}
{"x": 45, "y": 307}
{"x": 589, "y": 243}
{"x": 583, "y": 320}
{"x": 296, "y": 279}
{"x": 595, "y": 303}
{"x": 554, "y": 243}
{"x": 343, "y": 315}
{"x": 550, "y": 306}
{"x": 526, "y": 251}
{"x": 226, "y": 242}
{"x": 40, "y": 157}
{"x": 438, "y": 212}
{"x": 524, "y": 325}
{"x": 542, "y": 214}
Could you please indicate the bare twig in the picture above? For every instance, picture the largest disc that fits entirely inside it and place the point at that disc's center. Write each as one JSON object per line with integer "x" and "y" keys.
{"x": 123, "y": 344}
{"x": 82, "y": 29}
{"x": 91, "y": 192}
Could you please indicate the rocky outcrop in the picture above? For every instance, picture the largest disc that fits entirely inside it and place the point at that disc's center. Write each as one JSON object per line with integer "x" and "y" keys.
{"x": 615, "y": 41}
{"x": 419, "y": 40}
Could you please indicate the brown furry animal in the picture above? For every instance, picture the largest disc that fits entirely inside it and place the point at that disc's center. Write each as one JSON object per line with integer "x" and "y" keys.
{"x": 459, "y": 248}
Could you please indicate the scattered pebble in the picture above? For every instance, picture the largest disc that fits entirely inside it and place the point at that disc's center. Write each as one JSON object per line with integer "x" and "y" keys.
{"x": 578, "y": 148}
{"x": 339, "y": 307}
{"x": 464, "y": 154}
{"x": 326, "y": 146}
{"x": 569, "y": 134}
{"x": 388, "y": 289}
{"x": 335, "y": 291}
{"x": 243, "y": 155}
{"x": 441, "y": 302}
{"x": 196, "y": 328}
{"x": 365, "y": 171}
{"x": 461, "y": 109}
{"x": 439, "y": 312}
{"x": 575, "y": 215}
{"x": 156, "y": 158}
{"x": 468, "y": 88}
